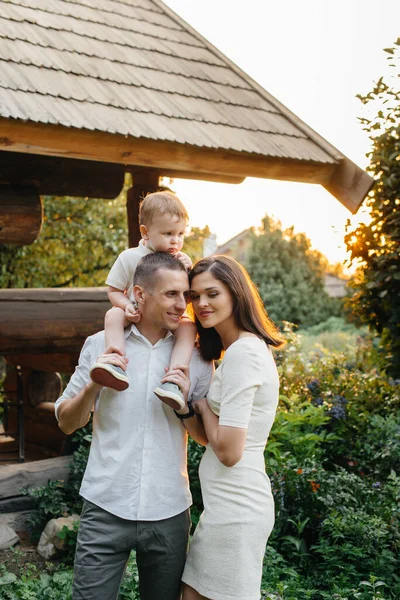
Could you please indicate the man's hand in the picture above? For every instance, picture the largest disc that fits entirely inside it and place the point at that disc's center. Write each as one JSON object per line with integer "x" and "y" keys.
{"x": 179, "y": 374}
{"x": 132, "y": 314}
{"x": 185, "y": 260}
{"x": 113, "y": 356}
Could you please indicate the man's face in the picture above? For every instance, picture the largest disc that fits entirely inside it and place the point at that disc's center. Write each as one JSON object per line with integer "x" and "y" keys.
{"x": 164, "y": 304}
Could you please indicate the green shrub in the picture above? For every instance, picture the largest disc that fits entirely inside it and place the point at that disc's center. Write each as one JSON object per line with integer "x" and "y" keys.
{"x": 32, "y": 585}
{"x": 61, "y": 498}
{"x": 333, "y": 458}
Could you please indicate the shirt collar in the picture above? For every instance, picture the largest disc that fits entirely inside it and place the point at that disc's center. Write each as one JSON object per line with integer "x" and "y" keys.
{"x": 145, "y": 249}
{"x": 136, "y": 333}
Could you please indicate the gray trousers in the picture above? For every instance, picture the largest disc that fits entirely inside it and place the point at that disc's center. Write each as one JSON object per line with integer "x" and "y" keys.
{"x": 103, "y": 547}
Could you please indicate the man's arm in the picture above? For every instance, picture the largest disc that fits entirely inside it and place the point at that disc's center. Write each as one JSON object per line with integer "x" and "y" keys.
{"x": 74, "y": 407}
{"x": 74, "y": 413}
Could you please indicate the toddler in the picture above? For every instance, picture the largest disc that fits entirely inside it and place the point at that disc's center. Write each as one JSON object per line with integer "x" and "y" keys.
{"x": 163, "y": 221}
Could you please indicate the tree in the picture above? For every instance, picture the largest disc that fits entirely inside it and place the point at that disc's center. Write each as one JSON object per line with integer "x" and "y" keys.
{"x": 375, "y": 245}
{"x": 290, "y": 276}
{"x": 80, "y": 240}
{"x": 194, "y": 242}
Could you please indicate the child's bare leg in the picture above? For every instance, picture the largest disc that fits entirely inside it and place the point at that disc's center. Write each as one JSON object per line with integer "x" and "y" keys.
{"x": 109, "y": 375}
{"x": 185, "y": 338}
{"x": 114, "y": 325}
{"x": 185, "y": 335}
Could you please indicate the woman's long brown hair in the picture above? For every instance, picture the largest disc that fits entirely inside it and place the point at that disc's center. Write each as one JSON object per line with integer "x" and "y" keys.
{"x": 248, "y": 309}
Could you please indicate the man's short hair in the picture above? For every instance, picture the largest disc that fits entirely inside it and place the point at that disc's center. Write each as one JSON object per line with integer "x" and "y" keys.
{"x": 162, "y": 203}
{"x": 149, "y": 265}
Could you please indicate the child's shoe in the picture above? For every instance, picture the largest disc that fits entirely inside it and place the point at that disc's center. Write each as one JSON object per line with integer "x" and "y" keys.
{"x": 109, "y": 376}
{"x": 171, "y": 394}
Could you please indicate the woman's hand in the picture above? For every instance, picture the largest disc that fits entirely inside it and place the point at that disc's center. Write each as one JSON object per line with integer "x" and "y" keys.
{"x": 179, "y": 374}
{"x": 199, "y": 406}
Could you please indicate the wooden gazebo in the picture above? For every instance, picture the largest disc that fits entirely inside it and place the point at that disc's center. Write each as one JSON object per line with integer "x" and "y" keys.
{"x": 91, "y": 89}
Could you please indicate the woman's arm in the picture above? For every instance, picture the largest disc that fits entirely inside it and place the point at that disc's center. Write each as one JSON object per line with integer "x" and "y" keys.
{"x": 240, "y": 377}
{"x": 227, "y": 442}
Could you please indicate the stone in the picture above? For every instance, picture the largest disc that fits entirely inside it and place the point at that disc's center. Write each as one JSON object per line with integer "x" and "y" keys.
{"x": 15, "y": 520}
{"x": 50, "y": 545}
{"x": 8, "y": 537}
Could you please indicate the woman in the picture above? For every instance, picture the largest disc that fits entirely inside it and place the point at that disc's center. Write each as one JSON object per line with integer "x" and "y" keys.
{"x": 226, "y": 554}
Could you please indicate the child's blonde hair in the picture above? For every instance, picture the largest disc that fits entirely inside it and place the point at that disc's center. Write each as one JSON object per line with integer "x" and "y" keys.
{"x": 162, "y": 203}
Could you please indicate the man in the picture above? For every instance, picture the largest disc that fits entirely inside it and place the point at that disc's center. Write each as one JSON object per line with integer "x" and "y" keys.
{"x": 135, "y": 485}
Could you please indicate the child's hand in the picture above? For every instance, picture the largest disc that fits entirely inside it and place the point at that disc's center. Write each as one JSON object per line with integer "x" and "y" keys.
{"x": 185, "y": 260}
{"x": 132, "y": 314}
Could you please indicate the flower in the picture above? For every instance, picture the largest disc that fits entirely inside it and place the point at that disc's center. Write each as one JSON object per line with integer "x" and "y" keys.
{"x": 340, "y": 399}
{"x": 299, "y": 471}
{"x": 337, "y": 412}
{"x": 318, "y": 401}
{"x": 315, "y": 486}
{"x": 313, "y": 385}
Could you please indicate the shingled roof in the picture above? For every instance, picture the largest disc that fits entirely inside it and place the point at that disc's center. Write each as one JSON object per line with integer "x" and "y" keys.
{"x": 135, "y": 70}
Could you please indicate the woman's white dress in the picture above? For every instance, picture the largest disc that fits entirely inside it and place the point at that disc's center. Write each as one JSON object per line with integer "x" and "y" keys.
{"x": 226, "y": 553}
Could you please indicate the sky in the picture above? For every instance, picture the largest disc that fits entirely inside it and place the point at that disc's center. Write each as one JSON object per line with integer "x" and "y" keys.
{"x": 314, "y": 56}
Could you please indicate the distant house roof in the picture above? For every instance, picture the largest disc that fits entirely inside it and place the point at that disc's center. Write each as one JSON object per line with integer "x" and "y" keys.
{"x": 240, "y": 244}
{"x": 242, "y": 236}
{"x": 134, "y": 71}
{"x": 336, "y": 287}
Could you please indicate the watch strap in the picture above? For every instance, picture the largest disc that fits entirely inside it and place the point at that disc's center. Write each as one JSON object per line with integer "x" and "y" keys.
{"x": 187, "y": 415}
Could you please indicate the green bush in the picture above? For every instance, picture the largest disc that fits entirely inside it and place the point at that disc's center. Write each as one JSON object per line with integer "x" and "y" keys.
{"x": 333, "y": 458}
{"x": 32, "y": 585}
{"x": 61, "y": 498}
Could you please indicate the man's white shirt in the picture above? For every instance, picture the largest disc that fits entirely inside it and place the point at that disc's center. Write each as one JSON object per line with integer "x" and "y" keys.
{"x": 137, "y": 463}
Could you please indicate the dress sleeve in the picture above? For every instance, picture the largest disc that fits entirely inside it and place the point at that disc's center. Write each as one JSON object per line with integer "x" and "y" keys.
{"x": 241, "y": 376}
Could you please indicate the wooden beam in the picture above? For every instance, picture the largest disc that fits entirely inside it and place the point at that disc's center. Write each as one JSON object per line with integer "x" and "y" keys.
{"x": 33, "y": 474}
{"x": 167, "y": 157}
{"x": 56, "y": 140}
{"x": 51, "y": 363}
{"x": 144, "y": 182}
{"x": 349, "y": 184}
{"x": 200, "y": 176}
{"x": 21, "y": 215}
{"x": 54, "y": 321}
{"x": 60, "y": 176}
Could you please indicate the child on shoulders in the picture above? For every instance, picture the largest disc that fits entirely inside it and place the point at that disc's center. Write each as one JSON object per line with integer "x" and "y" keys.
{"x": 163, "y": 220}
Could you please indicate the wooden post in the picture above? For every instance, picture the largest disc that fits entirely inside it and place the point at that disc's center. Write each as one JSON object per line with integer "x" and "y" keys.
{"x": 144, "y": 182}
{"x": 21, "y": 215}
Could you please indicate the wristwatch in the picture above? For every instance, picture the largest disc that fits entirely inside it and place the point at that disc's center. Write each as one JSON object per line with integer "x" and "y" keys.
{"x": 187, "y": 415}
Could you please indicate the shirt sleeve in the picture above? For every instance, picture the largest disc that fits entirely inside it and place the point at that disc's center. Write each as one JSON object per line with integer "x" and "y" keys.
{"x": 203, "y": 382}
{"x": 122, "y": 271}
{"x": 81, "y": 376}
{"x": 240, "y": 378}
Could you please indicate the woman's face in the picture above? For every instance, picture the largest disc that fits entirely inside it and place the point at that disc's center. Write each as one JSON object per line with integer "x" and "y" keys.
{"x": 212, "y": 300}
